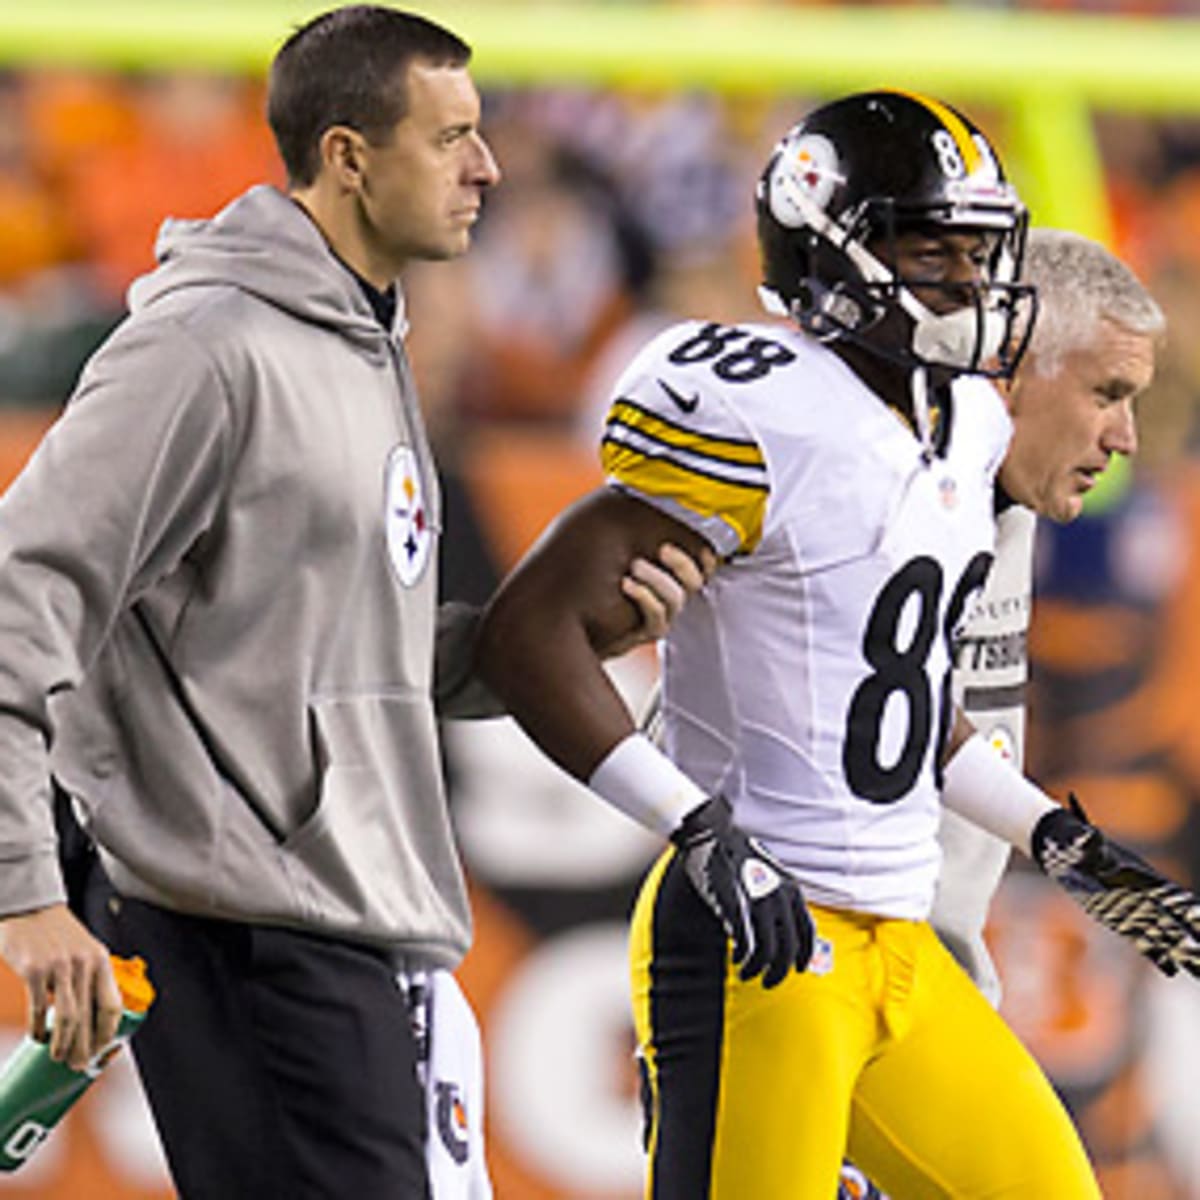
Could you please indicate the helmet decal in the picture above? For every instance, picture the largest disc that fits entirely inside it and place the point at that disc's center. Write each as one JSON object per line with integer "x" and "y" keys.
{"x": 807, "y": 165}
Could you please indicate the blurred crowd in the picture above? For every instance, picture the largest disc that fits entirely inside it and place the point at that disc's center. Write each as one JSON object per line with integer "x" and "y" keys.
{"x": 620, "y": 212}
{"x": 614, "y": 208}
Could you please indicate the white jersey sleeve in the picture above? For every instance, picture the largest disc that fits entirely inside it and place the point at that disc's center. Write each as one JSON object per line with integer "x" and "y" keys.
{"x": 674, "y": 440}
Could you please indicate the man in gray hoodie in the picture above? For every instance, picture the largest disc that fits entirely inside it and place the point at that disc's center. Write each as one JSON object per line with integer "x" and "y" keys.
{"x": 218, "y": 618}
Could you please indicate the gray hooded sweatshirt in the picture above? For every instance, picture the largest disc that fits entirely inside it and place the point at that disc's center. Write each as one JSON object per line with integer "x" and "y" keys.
{"x": 217, "y": 605}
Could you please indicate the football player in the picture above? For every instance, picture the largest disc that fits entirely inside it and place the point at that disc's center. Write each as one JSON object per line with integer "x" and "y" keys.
{"x": 842, "y": 466}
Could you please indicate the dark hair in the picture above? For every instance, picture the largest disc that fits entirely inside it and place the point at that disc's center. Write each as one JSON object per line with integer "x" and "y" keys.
{"x": 348, "y": 67}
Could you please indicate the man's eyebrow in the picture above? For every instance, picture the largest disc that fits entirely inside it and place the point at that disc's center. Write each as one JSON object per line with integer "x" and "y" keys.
{"x": 1117, "y": 387}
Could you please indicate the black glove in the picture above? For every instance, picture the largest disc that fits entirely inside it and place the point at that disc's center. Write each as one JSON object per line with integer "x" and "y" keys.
{"x": 1119, "y": 889}
{"x": 751, "y": 892}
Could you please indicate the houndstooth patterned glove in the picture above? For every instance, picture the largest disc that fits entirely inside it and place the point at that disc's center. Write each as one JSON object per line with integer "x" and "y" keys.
{"x": 1119, "y": 889}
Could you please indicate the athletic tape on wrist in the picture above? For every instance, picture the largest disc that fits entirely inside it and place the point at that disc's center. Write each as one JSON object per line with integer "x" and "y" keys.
{"x": 644, "y": 784}
{"x": 989, "y": 791}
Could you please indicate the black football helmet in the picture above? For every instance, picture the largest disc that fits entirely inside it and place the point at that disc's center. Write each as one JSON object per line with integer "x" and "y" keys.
{"x": 856, "y": 173}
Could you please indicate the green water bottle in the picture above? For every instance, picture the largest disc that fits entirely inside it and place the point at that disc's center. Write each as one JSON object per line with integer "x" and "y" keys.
{"x": 35, "y": 1090}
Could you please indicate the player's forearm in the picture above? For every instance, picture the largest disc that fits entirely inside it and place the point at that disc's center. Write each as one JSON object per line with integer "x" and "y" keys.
{"x": 551, "y": 679}
{"x": 540, "y": 644}
{"x": 536, "y": 656}
{"x": 990, "y": 792}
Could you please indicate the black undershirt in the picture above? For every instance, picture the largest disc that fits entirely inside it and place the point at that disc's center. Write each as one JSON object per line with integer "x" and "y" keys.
{"x": 383, "y": 303}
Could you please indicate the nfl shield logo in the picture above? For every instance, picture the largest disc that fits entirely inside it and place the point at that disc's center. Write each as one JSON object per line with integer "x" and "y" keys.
{"x": 821, "y": 962}
{"x": 409, "y": 528}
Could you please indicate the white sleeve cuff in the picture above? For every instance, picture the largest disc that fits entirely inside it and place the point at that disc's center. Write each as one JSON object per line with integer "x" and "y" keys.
{"x": 646, "y": 785}
{"x": 990, "y": 792}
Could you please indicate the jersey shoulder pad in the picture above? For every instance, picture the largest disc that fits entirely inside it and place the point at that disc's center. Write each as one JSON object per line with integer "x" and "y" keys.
{"x": 677, "y": 436}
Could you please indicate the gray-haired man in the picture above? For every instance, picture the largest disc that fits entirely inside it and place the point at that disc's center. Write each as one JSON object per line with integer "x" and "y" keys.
{"x": 1072, "y": 401}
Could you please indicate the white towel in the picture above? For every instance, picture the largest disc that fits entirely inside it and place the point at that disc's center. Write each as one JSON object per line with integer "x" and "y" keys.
{"x": 451, "y": 1071}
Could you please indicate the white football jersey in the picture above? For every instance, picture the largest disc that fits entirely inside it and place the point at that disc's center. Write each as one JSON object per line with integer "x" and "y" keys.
{"x": 810, "y": 681}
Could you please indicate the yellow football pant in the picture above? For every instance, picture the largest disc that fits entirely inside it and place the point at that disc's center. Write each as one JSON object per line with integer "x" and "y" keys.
{"x": 885, "y": 1050}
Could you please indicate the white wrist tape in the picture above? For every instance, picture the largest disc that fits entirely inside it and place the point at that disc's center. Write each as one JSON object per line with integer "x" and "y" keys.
{"x": 990, "y": 792}
{"x": 646, "y": 785}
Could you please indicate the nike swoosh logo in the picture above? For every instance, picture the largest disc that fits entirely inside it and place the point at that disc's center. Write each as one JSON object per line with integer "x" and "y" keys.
{"x": 684, "y": 403}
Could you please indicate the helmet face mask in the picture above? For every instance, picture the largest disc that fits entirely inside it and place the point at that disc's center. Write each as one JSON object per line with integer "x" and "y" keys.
{"x": 835, "y": 203}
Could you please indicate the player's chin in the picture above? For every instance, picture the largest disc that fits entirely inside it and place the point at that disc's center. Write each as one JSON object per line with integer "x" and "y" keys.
{"x": 1067, "y": 507}
{"x": 460, "y": 239}
{"x": 461, "y": 224}
{"x": 452, "y": 244}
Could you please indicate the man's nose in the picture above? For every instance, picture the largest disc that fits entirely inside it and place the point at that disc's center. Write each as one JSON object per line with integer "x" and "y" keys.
{"x": 1120, "y": 431}
{"x": 485, "y": 170}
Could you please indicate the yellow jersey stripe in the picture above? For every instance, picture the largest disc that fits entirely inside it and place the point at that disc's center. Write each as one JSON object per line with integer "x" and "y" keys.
{"x": 972, "y": 159}
{"x": 732, "y": 450}
{"x": 741, "y": 506}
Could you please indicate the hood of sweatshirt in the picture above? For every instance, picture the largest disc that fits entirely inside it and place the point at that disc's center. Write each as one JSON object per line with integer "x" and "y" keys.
{"x": 264, "y": 244}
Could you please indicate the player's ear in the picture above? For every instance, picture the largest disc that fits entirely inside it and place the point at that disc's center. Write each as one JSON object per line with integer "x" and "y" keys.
{"x": 343, "y": 156}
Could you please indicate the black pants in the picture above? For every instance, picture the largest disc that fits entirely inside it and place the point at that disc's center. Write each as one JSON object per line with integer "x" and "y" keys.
{"x": 276, "y": 1063}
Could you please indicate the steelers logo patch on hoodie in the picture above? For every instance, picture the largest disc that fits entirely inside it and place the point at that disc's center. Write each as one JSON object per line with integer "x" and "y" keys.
{"x": 408, "y": 520}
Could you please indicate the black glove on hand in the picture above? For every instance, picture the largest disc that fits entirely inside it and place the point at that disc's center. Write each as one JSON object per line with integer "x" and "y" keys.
{"x": 754, "y": 897}
{"x": 1119, "y": 889}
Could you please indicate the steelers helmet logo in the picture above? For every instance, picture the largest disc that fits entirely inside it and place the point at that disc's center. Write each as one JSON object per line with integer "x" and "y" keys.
{"x": 807, "y": 167}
